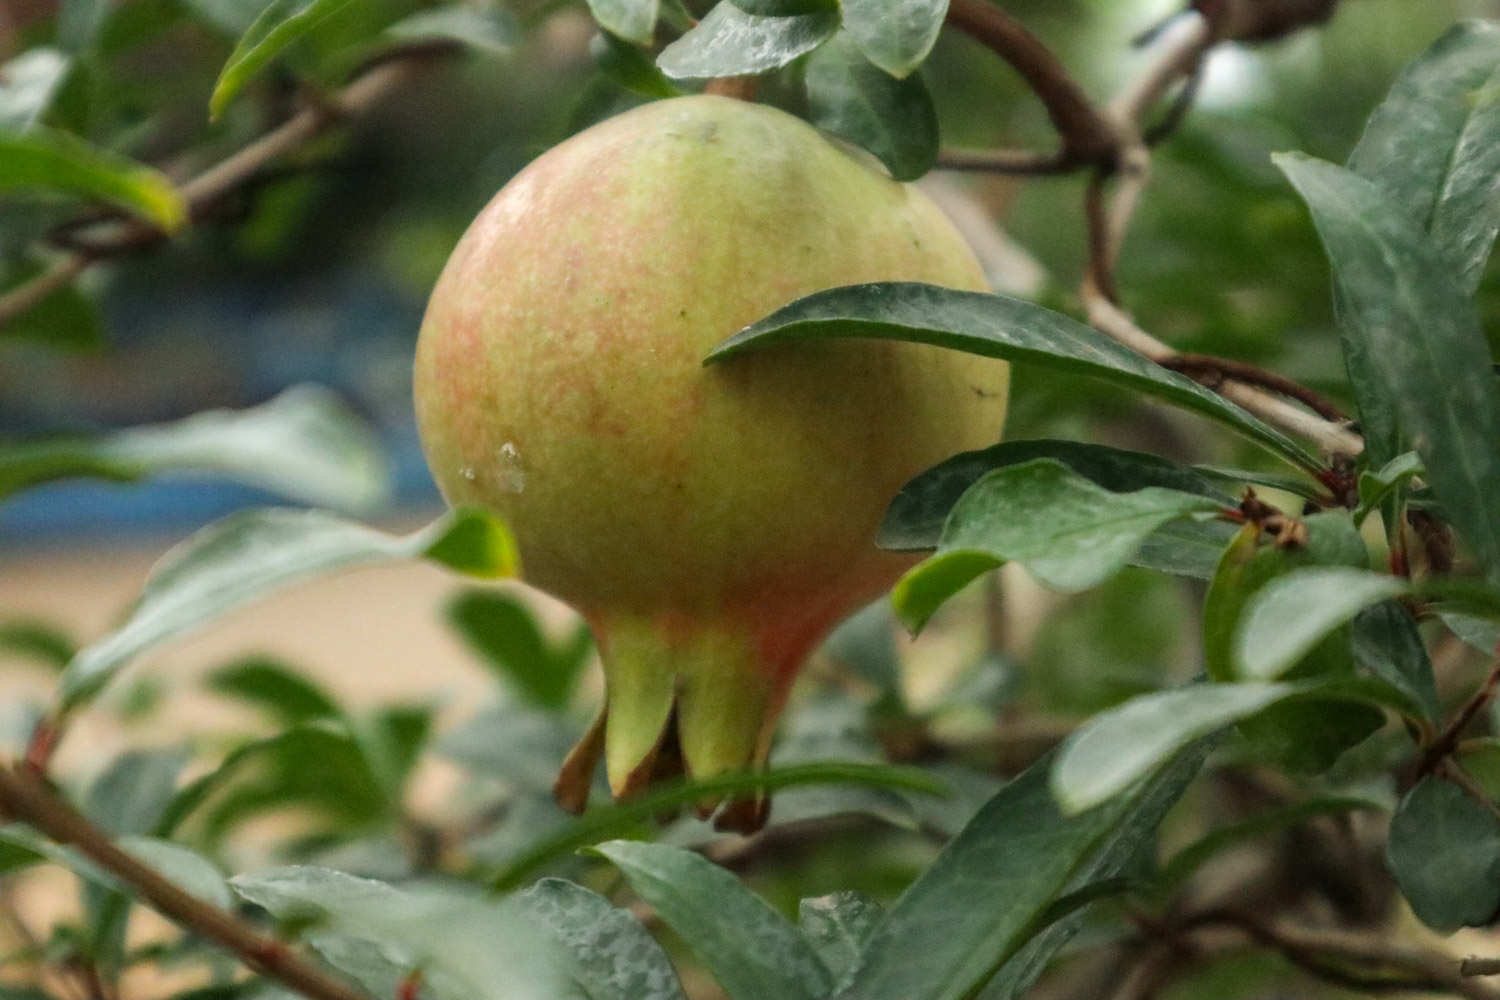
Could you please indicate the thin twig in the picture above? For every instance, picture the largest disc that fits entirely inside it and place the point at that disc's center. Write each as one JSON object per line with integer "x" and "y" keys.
{"x": 1443, "y": 745}
{"x": 1212, "y": 371}
{"x": 1006, "y": 161}
{"x": 203, "y": 192}
{"x": 25, "y": 797}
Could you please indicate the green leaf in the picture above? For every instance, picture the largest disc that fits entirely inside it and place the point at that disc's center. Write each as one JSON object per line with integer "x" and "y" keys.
{"x": 189, "y": 870}
{"x": 306, "y": 444}
{"x": 1235, "y": 479}
{"x": 79, "y": 21}
{"x": 785, "y": 8}
{"x": 514, "y": 742}
{"x": 632, "y": 20}
{"x": 984, "y": 897}
{"x": 915, "y": 517}
{"x": 855, "y": 100}
{"x": 1478, "y": 632}
{"x": 1184, "y": 548}
{"x": 751, "y": 949}
{"x": 839, "y": 926}
{"x": 505, "y": 634}
{"x": 1444, "y": 850}
{"x": 1434, "y": 144}
{"x": 1186, "y": 862}
{"x": 1375, "y": 486}
{"x": 38, "y": 641}
{"x": 247, "y": 555}
{"x": 488, "y": 28}
{"x": 280, "y": 23}
{"x": 286, "y": 695}
{"x": 1387, "y": 645}
{"x": 131, "y": 795}
{"x": 729, "y": 42}
{"x": 66, "y": 320}
{"x": 27, "y": 85}
{"x": 616, "y": 958}
{"x": 1290, "y": 615}
{"x": 896, "y": 35}
{"x": 631, "y": 68}
{"x": 621, "y": 818}
{"x": 466, "y": 946}
{"x": 1069, "y": 533}
{"x": 43, "y": 159}
{"x": 994, "y": 326}
{"x": 1419, "y": 340}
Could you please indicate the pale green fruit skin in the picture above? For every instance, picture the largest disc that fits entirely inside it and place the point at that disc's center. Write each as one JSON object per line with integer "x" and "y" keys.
{"x": 732, "y": 508}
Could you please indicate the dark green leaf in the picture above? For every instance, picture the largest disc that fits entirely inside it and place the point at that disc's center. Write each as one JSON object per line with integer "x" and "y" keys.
{"x": 1420, "y": 342}
{"x": 247, "y": 555}
{"x": 632, "y": 20}
{"x": 37, "y": 641}
{"x": 507, "y": 637}
{"x": 621, "y": 818}
{"x": 616, "y": 958}
{"x": 895, "y": 34}
{"x": 839, "y": 926}
{"x": 729, "y": 42}
{"x": 915, "y": 517}
{"x": 1235, "y": 479}
{"x": 27, "y": 84}
{"x": 1290, "y": 615}
{"x": 1435, "y": 145}
{"x": 751, "y": 949}
{"x": 994, "y": 326}
{"x": 280, "y": 23}
{"x": 854, "y": 99}
{"x": 1068, "y": 532}
{"x": 43, "y": 159}
{"x": 1375, "y": 486}
{"x": 982, "y": 900}
{"x": 630, "y": 67}
{"x": 488, "y": 28}
{"x": 1388, "y": 645}
{"x": 1444, "y": 850}
{"x": 305, "y": 444}
{"x": 288, "y": 696}
{"x": 785, "y": 8}
{"x": 1184, "y": 548}
{"x": 467, "y": 946}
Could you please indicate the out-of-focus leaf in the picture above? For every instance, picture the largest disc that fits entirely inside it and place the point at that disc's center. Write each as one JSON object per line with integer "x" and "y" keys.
{"x": 507, "y": 637}
{"x": 79, "y": 21}
{"x": 467, "y": 946}
{"x": 896, "y": 35}
{"x": 854, "y": 99}
{"x": 751, "y": 949}
{"x": 915, "y": 517}
{"x": 630, "y": 67}
{"x": 517, "y": 744}
{"x": 1388, "y": 645}
{"x": 1444, "y": 850}
{"x": 38, "y": 641}
{"x": 616, "y": 959}
{"x": 1412, "y": 328}
{"x": 978, "y": 904}
{"x": 66, "y": 320}
{"x": 27, "y": 84}
{"x": 866, "y": 643}
{"x": 1291, "y": 614}
{"x": 305, "y": 444}
{"x": 1375, "y": 486}
{"x": 131, "y": 794}
{"x": 488, "y": 28}
{"x": 839, "y": 926}
{"x": 43, "y": 159}
{"x": 288, "y": 696}
{"x": 995, "y": 326}
{"x": 834, "y": 727}
{"x": 1068, "y": 532}
{"x": 247, "y": 555}
{"x": 1434, "y": 144}
{"x": 729, "y": 42}
{"x": 632, "y": 20}
{"x": 279, "y": 24}
{"x": 1481, "y": 633}
{"x": 188, "y": 869}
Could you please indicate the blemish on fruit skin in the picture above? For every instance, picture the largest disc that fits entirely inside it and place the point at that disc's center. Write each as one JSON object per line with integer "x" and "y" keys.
{"x": 512, "y": 470}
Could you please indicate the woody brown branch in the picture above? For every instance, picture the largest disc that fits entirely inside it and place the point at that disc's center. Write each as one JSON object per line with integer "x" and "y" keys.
{"x": 24, "y": 796}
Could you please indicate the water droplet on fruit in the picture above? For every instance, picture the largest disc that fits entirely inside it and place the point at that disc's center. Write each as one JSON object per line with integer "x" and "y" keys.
{"x": 512, "y": 472}
{"x": 468, "y": 473}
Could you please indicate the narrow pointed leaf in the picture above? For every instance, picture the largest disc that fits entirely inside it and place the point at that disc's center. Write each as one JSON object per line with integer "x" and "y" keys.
{"x": 248, "y": 555}
{"x": 1290, "y": 615}
{"x": 995, "y": 326}
{"x": 280, "y": 23}
{"x": 752, "y": 950}
{"x": 729, "y": 42}
{"x": 1421, "y": 343}
{"x": 43, "y": 159}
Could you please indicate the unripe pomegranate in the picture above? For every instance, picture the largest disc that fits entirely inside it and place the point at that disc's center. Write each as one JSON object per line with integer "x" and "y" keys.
{"x": 712, "y": 524}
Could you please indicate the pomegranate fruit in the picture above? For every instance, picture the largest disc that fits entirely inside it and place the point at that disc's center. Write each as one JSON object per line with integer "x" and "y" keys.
{"x": 711, "y": 524}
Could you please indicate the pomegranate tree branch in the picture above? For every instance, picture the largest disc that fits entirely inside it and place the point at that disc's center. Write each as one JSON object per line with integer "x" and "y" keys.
{"x": 24, "y": 796}
{"x": 117, "y": 236}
